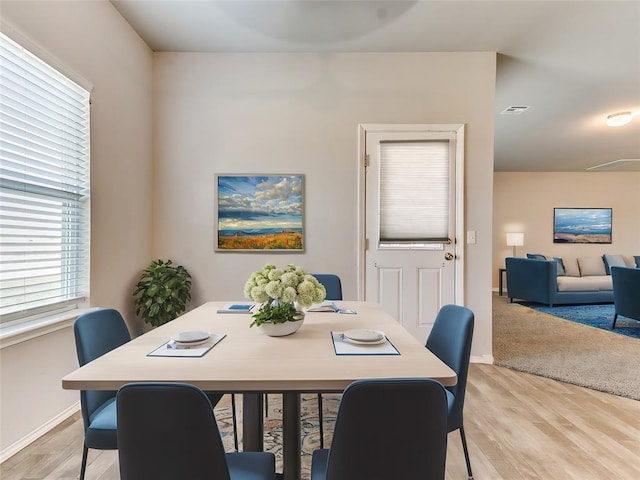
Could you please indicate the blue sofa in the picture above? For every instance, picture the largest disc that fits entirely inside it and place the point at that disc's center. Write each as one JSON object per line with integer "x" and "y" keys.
{"x": 536, "y": 280}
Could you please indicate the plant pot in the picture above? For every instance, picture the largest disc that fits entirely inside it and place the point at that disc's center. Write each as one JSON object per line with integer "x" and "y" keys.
{"x": 282, "y": 329}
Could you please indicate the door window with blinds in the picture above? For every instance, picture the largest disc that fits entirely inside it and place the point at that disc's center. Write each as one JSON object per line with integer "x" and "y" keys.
{"x": 44, "y": 187}
{"x": 414, "y": 194}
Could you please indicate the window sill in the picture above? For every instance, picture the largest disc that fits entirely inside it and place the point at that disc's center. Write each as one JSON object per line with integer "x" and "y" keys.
{"x": 22, "y": 332}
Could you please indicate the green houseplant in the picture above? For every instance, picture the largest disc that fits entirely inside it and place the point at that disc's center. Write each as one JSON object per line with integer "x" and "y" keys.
{"x": 162, "y": 292}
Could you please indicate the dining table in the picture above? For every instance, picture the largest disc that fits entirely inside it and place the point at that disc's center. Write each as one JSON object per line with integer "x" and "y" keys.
{"x": 247, "y": 361}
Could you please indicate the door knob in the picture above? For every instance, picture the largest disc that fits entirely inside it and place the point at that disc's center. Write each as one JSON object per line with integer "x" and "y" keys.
{"x": 448, "y": 256}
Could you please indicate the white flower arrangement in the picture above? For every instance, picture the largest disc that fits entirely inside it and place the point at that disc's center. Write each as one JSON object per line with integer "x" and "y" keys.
{"x": 288, "y": 285}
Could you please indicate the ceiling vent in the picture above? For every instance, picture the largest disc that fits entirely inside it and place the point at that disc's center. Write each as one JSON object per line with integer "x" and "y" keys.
{"x": 625, "y": 164}
{"x": 515, "y": 110}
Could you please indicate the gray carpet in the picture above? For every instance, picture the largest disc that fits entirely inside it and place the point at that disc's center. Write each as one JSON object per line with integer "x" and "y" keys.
{"x": 541, "y": 344}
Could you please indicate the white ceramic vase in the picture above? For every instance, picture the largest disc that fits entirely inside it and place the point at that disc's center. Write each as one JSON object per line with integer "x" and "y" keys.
{"x": 282, "y": 329}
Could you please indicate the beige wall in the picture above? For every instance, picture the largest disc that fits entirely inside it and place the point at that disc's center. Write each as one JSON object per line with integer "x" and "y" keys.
{"x": 91, "y": 41}
{"x": 232, "y": 114}
{"x": 524, "y": 202}
{"x": 299, "y": 113}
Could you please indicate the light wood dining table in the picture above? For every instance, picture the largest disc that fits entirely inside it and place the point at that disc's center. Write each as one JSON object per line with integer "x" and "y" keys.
{"x": 249, "y": 362}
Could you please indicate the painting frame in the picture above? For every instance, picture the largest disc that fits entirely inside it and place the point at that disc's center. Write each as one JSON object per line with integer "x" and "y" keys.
{"x": 583, "y": 225}
{"x": 259, "y": 213}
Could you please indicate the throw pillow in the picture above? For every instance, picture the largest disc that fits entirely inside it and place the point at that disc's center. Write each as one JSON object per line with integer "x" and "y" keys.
{"x": 637, "y": 257}
{"x": 571, "y": 268}
{"x": 612, "y": 261}
{"x": 590, "y": 266}
{"x": 560, "y": 266}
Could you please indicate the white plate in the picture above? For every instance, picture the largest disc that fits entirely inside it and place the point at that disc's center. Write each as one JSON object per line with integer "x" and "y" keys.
{"x": 355, "y": 342}
{"x": 189, "y": 344}
{"x": 191, "y": 337}
{"x": 364, "y": 336}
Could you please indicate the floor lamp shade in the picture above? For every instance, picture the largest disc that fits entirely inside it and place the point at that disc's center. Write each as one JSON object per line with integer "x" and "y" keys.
{"x": 515, "y": 239}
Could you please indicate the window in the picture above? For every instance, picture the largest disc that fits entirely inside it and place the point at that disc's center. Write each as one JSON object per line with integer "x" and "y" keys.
{"x": 414, "y": 191}
{"x": 44, "y": 187}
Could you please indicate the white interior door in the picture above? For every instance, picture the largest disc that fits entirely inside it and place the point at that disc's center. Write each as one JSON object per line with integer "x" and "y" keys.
{"x": 410, "y": 221}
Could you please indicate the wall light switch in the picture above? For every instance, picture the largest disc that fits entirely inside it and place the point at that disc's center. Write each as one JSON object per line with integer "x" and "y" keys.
{"x": 471, "y": 237}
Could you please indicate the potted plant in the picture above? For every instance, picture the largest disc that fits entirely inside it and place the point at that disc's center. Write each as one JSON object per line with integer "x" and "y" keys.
{"x": 279, "y": 290}
{"x": 162, "y": 292}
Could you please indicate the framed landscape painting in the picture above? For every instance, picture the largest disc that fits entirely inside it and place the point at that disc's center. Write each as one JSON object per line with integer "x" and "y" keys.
{"x": 582, "y": 225}
{"x": 259, "y": 213}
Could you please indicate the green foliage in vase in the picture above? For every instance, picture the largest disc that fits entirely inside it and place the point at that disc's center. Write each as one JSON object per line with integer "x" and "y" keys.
{"x": 162, "y": 293}
{"x": 276, "y": 312}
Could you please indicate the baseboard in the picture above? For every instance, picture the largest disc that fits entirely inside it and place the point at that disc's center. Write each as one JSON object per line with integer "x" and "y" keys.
{"x": 15, "y": 447}
{"x": 488, "y": 359}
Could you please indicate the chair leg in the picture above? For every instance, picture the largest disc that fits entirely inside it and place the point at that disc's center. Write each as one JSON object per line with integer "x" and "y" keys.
{"x": 320, "y": 420}
{"x": 615, "y": 317}
{"x": 83, "y": 465}
{"x": 235, "y": 424}
{"x": 466, "y": 453}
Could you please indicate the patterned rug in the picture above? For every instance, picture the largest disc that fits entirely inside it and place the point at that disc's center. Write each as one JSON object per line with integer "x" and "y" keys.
{"x": 273, "y": 426}
{"x": 597, "y": 316}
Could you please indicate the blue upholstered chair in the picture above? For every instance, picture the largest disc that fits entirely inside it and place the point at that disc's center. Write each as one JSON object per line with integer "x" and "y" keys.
{"x": 450, "y": 340}
{"x": 626, "y": 293}
{"x": 168, "y": 431}
{"x": 96, "y": 333}
{"x": 387, "y": 429}
{"x": 333, "y": 286}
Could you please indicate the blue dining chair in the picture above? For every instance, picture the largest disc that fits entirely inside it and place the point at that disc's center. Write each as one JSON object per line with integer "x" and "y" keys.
{"x": 168, "y": 431}
{"x": 332, "y": 284}
{"x": 450, "y": 340}
{"x": 387, "y": 429}
{"x": 626, "y": 287}
{"x": 96, "y": 333}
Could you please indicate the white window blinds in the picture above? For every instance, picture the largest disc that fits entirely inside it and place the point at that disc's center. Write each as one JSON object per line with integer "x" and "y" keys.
{"x": 44, "y": 186}
{"x": 414, "y": 191}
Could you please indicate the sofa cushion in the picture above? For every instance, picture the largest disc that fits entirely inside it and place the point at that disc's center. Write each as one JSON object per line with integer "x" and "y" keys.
{"x": 593, "y": 283}
{"x": 590, "y": 266}
{"x": 571, "y": 268}
{"x": 637, "y": 258}
{"x": 612, "y": 261}
{"x": 538, "y": 256}
{"x": 560, "y": 267}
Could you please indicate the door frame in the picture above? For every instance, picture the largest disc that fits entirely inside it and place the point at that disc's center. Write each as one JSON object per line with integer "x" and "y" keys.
{"x": 458, "y": 241}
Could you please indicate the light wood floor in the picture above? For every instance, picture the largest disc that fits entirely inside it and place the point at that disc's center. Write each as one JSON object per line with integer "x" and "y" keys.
{"x": 518, "y": 426}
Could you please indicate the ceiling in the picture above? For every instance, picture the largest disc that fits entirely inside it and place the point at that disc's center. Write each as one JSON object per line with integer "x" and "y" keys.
{"x": 571, "y": 62}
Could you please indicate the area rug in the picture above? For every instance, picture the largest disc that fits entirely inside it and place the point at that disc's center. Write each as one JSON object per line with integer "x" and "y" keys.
{"x": 535, "y": 342}
{"x": 597, "y": 316}
{"x": 273, "y": 426}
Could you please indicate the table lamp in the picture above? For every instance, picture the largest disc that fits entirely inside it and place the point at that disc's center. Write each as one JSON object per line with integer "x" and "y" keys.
{"x": 515, "y": 239}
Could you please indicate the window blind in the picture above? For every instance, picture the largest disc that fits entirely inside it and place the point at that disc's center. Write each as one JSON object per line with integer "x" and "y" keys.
{"x": 414, "y": 191}
{"x": 44, "y": 186}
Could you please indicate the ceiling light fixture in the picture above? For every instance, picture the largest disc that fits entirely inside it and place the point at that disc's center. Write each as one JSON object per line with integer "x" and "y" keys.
{"x": 619, "y": 119}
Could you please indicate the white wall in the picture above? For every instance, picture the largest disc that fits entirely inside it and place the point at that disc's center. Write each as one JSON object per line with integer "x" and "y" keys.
{"x": 298, "y": 113}
{"x": 524, "y": 202}
{"x": 92, "y": 41}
